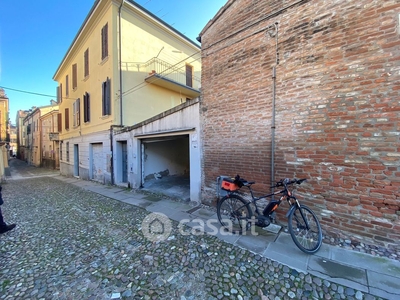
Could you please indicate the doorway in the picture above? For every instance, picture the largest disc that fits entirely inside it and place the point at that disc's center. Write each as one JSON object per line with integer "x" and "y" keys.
{"x": 165, "y": 165}
{"x": 122, "y": 162}
{"x": 76, "y": 160}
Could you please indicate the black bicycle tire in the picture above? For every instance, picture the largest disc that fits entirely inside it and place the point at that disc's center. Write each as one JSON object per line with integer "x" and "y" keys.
{"x": 294, "y": 236}
{"x": 246, "y": 205}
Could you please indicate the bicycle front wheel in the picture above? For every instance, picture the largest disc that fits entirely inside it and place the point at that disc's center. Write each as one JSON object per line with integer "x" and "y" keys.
{"x": 305, "y": 229}
{"x": 234, "y": 214}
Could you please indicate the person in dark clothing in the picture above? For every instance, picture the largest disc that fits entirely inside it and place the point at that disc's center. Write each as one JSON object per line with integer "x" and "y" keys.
{"x": 3, "y": 226}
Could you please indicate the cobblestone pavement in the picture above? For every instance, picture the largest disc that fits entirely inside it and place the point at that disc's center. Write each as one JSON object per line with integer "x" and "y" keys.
{"x": 74, "y": 244}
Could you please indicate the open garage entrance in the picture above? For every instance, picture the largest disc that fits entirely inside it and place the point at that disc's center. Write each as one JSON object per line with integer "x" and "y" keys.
{"x": 165, "y": 165}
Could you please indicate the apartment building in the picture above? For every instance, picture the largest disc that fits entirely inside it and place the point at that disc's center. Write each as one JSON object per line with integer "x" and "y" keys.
{"x": 124, "y": 67}
{"x": 32, "y": 140}
{"x": 21, "y": 133}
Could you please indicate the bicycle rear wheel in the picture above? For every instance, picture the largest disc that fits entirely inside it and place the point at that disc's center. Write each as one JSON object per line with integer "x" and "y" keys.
{"x": 305, "y": 229}
{"x": 234, "y": 214}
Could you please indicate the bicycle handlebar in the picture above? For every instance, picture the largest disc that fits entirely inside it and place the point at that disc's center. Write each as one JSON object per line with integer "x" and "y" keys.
{"x": 287, "y": 181}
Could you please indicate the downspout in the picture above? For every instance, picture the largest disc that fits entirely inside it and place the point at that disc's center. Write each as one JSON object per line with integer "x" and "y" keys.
{"x": 274, "y": 33}
{"x": 120, "y": 62}
{"x": 120, "y": 94}
{"x": 112, "y": 154}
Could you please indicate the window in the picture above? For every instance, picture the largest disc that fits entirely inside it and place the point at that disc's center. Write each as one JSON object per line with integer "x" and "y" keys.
{"x": 67, "y": 118}
{"x": 59, "y": 93}
{"x": 76, "y": 112}
{"x": 86, "y": 108}
{"x": 28, "y": 129}
{"x": 59, "y": 122}
{"x": 66, "y": 86}
{"x": 67, "y": 150}
{"x": 189, "y": 75}
{"x": 86, "y": 65}
{"x": 106, "y": 99}
{"x": 74, "y": 76}
{"x": 104, "y": 42}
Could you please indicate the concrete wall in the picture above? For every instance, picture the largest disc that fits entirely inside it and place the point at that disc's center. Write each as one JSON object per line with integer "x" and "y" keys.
{"x": 181, "y": 120}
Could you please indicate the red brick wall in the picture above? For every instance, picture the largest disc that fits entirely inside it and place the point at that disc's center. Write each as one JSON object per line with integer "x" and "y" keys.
{"x": 337, "y": 106}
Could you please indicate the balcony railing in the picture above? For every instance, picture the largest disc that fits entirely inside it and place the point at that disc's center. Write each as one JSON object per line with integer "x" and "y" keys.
{"x": 172, "y": 77}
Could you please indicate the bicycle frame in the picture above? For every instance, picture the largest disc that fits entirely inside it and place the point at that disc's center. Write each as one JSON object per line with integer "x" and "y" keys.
{"x": 303, "y": 224}
{"x": 286, "y": 193}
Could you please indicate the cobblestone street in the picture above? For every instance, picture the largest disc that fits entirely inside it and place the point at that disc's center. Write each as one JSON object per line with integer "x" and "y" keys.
{"x": 71, "y": 243}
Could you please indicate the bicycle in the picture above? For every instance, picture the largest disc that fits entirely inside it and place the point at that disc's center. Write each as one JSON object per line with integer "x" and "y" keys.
{"x": 236, "y": 214}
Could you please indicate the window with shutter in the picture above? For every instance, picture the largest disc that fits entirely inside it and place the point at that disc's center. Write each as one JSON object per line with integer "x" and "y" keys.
{"x": 67, "y": 118}
{"x": 78, "y": 112}
{"x": 104, "y": 42}
{"x": 59, "y": 93}
{"x": 74, "y": 76}
{"x": 67, "y": 150}
{"x": 189, "y": 75}
{"x": 86, "y": 66}
{"x": 86, "y": 108}
{"x": 66, "y": 86}
{"x": 59, "y": 122}
{"x": 74, "y": 114}
{"x": 106, "y": 98}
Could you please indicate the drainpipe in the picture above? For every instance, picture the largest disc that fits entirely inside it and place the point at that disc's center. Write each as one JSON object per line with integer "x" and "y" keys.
{"x": 120, "y": 63}
{"x": 273, "y": 33}
{"x": 273, "y": 125}
{"x": 112, "y": 154}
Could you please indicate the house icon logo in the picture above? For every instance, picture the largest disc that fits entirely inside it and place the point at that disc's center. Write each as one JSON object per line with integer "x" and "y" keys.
{"x": 156, "y": 227}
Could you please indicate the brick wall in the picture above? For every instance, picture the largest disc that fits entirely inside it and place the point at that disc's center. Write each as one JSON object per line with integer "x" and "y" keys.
{"x": 337, "y": 106}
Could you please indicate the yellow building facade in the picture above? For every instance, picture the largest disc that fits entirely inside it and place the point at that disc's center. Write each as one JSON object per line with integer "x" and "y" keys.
{"x": 49, "y": 141}
{"x": 124, "y": 66}
{"x": 32, "y": 139}
{"x": 4, "y": 122}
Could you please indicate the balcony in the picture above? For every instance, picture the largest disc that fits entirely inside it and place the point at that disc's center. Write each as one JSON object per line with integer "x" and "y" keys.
{"x": 172, "y": 77}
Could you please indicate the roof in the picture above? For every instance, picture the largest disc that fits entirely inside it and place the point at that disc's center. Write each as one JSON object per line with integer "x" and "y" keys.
{"x": 137, "y": 6}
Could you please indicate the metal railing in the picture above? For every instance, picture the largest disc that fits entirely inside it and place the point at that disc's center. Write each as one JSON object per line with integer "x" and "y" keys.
{"x": 171, "y": 72}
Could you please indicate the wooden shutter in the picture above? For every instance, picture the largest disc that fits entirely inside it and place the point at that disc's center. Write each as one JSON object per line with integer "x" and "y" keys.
{"x": 108, "y": 96}
{"x": 104, "y": 42}
{"x": 103, "y": 100}
{"x": 74, "y": 114}
{"x": 74, "y": 76}
{"x": 67, "y": 118}
{"x": 86, "y": 107}
{"x": 78, "y": 112}
{"x": 86, "y": 59}
{"x": 66, "y": 86}
{"x": 59, "y": 122}
{"x": 58, "y": 94}
{"x": 189, "y": 75}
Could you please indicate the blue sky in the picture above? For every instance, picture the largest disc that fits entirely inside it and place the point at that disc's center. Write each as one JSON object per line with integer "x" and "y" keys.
{"x": 35, "y": 35}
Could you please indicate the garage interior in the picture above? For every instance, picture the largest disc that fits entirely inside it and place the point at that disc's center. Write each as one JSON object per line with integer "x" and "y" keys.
{"x": 165, "y": 165}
